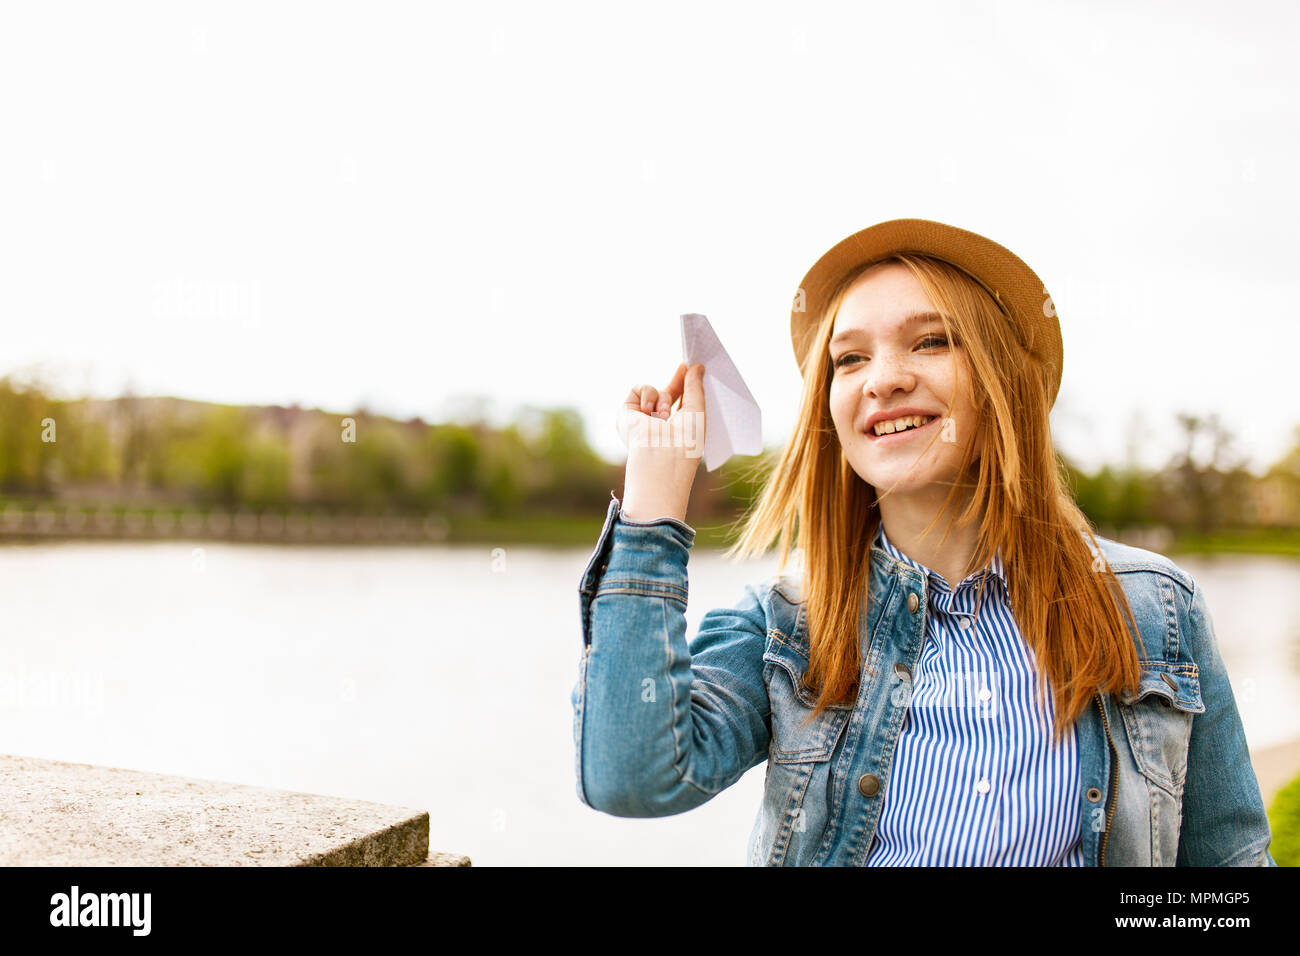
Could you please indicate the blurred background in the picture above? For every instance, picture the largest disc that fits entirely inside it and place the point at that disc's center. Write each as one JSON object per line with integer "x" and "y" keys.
{"x": 318, "y": 316}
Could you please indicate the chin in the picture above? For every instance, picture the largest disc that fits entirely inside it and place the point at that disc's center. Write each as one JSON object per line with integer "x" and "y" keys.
{"x": 899, "y": 479}
{"x": 909, "y": 486}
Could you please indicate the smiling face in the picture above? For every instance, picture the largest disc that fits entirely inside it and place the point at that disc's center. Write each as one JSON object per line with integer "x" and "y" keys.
{"x": 891, "y": 359}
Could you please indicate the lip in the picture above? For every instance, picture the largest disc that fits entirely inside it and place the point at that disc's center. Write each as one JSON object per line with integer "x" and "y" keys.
{"x": 898, "y": 437}
{"x": 889, "y": 415}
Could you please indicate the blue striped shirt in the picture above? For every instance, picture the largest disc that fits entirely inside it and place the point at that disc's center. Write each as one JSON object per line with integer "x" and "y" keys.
{"x": 976, "y": 779}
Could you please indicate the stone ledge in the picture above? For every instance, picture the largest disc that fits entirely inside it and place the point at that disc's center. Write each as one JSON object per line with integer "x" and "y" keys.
{"x": 54, "y": 813}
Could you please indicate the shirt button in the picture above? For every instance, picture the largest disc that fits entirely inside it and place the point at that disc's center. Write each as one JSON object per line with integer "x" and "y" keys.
{"x": 902, "y": 671}
{"x": 982, "y": 786}
{"x": 985, "y": 693}
{"x": 868, "y": 785}
{"x": 913, "y": 602}
{"x": 963, "y": 623}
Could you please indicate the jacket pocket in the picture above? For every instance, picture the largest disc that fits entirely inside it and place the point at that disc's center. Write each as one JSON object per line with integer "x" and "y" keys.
{"x": 796, "y": 804}
{"x": 795, "y": 737}
{"x": 1158, "y": 719}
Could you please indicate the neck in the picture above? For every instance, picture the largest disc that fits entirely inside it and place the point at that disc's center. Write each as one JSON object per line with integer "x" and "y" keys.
{"x": 948, "y": 551}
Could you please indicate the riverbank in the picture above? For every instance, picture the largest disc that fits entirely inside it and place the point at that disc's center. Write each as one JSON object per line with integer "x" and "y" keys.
{"x": 22, "y": 522}
{"x": 74, "y": 523}
{"x": 1281, "y": 542}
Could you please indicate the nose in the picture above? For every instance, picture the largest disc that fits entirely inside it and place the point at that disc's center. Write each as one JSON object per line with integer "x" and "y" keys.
{"x": 887, "y": 377}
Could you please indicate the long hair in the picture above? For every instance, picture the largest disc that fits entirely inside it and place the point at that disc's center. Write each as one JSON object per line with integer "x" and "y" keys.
{"x": 1067, "y": 602}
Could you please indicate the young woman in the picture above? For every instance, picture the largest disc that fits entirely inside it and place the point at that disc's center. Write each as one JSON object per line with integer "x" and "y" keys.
{"x": 958, "y": 670}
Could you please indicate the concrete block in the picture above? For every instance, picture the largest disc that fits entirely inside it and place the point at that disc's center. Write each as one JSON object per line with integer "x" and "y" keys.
{"x": 54, "y": 813}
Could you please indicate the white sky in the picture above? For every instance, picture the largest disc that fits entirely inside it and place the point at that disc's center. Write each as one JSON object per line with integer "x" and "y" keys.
{"x": 408, "y": 204}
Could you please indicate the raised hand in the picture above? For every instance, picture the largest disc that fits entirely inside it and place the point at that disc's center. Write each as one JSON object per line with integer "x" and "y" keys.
{"x": 664, "y": 445}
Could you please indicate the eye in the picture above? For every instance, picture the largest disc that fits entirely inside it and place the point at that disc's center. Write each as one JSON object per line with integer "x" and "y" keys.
{"x": 933, "y": 340}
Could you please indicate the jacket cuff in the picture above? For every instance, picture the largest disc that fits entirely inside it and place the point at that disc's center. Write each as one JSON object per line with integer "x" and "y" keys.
{"x": 638, "y": 553}
{"x": 682, "y": 526}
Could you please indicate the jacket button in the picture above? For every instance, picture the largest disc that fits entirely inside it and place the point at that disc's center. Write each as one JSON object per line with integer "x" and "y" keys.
{"x": 901, "y": 670}
{"x": 913, "y": 602}
{"x": 1173, "y": 684}
{"x": 868, "y": 785}
{"x": 1094, "y": 795}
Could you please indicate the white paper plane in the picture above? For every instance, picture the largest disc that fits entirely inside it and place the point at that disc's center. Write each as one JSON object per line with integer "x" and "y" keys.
{"x": 733, "y": 424}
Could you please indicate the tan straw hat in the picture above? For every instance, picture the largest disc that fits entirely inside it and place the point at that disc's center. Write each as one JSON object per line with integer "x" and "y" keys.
{"x": 1011, "y": 282}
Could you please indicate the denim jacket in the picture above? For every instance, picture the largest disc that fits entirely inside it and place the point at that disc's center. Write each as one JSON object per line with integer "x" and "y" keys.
{"x": 660, "y": 727}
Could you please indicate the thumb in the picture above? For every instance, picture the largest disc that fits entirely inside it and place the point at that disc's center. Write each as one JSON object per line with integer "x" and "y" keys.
{"x": 693, "y": 390}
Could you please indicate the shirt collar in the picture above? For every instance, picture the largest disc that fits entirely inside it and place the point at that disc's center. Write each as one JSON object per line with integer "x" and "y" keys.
{"x": 995, "y": 567}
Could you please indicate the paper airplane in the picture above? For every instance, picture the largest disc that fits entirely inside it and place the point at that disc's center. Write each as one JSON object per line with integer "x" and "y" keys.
{"x": 733, "y": 424}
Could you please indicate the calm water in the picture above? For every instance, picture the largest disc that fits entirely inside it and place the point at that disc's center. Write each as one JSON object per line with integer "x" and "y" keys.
{"x": 436, "y": 678}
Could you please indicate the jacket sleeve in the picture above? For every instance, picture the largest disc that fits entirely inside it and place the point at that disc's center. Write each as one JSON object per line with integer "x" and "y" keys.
{"x": 660, "y": 728}
{"x": 1224, "y": 823}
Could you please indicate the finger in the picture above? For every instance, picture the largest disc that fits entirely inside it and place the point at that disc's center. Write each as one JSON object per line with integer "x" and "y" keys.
{"x": 668, "y": 397}
{"x": 642, "y": 398}
{"x": 649, "y": 399}
{"x": 663, "y": 399}
{"x": 693, "y": 390}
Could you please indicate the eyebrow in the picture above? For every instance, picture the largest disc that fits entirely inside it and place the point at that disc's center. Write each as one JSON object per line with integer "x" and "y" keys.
{"x": 912, "y": 318}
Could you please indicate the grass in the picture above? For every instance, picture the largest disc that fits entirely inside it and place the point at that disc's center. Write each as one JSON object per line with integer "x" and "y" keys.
{"x": 1283, "y": 542}
{"x": 1284, "y": 818}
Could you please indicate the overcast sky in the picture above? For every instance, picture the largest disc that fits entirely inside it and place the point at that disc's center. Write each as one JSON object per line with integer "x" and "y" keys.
{"x": 407, "y": 205}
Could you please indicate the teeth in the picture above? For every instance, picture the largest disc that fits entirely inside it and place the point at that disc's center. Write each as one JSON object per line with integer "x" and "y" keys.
{"x": 898, "y": 424}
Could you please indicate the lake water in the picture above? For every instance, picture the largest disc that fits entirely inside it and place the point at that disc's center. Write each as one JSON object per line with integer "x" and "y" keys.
{"x": 435, "y": 678}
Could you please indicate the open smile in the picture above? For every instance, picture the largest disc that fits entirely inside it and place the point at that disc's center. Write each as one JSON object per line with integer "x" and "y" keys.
{"x": 897, "y": 438}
